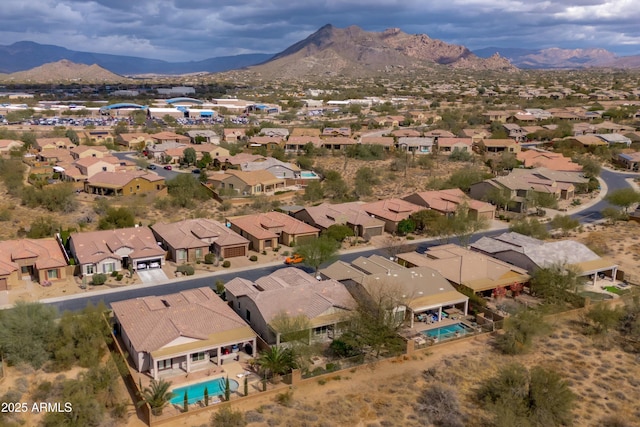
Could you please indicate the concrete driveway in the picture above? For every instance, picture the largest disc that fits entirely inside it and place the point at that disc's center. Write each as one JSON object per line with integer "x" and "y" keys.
{"x": 153, "y": 275}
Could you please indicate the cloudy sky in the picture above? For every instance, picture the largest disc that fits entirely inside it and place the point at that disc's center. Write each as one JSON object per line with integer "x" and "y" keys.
{"x": 198, "y": 29}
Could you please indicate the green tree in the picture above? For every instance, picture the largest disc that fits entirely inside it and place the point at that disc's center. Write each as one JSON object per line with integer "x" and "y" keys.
{"x": 334, "y": 186}
{"x": 43, "y": 226}
{"x": 365, "y": 179}
{"x": 601, "y": 319}
{"x": 406, "y": 226}
{"x": 521, "y": 397}
{"x": 529, "y": 227}
{"x": 117, "y": 218}
{"x": 564, "y": 223}
{"x": 73, "y": 136}
{"x": 425, "y": 219}
{"x": 313, "y": 191}
{"x": 556, "y": 283}
{"x": 292, "y": 329}
{"x": 318, "y": 251}
{"x": 185, "y": 191}
{"x": 464, "y": 225}
{"x": 623, "y": 198}
{"x": 157, "y": 395}
{"x": 499, "y": 197}
{"x": 189, "y": 156}
{"x": 276, "y": 361}
{"x": 458, "y": 155}
{"x": 590, "y": 166}
{"x": 26, "y": 333}
{"x": 520, "y": 331}
{"x": 464, "y": 178}
{"x": 376, "y": 321}
{"x": 338, "y": 232}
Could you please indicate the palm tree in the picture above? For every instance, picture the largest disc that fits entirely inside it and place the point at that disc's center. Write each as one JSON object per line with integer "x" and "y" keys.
{"x": 276, "y": 361}
{"x": 157, "y": 396}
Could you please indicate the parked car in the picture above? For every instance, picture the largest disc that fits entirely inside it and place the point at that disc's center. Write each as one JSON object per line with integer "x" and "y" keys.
{"x": 141, "y": 266}
{"x": 152, "y": 167}
{"x": 195, "y": 171}
{"x": 154, "y": 265}
{"x": 168, "y": 167}
{"x": 294, "y": 259}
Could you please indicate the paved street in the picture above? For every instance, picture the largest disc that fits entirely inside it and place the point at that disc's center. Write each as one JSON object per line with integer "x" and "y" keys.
{"x": 587, "y": 214}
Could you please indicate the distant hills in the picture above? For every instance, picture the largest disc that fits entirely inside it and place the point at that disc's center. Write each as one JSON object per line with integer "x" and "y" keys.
{"x": 64, "y": 71}
{"x": 561, "y": 58}
{"x": 332, "y": 51}
{"x": 26, "y": 55}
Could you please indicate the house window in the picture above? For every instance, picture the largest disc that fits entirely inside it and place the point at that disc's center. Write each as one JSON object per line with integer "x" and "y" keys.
{"x": 181, "y": 254}
{"x": 104, "y": 169}
{"x": 164, "y": 364}
{"x": 52, "y": 274}
{"x": 137, "y": 187}
{"x": 198, "y": 253}
{"x": 248, "y": 316}
{"x": 196, "y": 357}
{"x": 320, "y": 331}
{"x": 109, "y": 267}
{"x": 90, "y": 269}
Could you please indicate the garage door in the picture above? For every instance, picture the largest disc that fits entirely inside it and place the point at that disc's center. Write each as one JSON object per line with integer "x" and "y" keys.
{"x": 3, "y": 285}
{"x": 300, "y": 240}
{"x": 233, "y": 252}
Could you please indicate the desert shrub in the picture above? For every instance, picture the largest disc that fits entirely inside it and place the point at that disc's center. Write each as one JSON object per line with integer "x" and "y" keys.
{"x": 228, "y": 417}
{"x": 253, "y": 258}
{"x": 226, "y": 264}
{"x": 186, "y": 269}
{"x": 439, "y": 405}
{"x": 119, "y": 277}
{"x": 98, "y": 279}
{"x": 285, "y": 398}
{"x": 520, "y": 331}
{"x": 209, "y": 258}
{"x": 114, "y": 273}
{"x": 338, "y": 232}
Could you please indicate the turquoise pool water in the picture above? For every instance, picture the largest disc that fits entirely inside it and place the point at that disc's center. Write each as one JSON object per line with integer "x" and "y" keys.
{"x": 195, "y": 392}
{"x": 446, "y": 332}
{"x": 308, "y": 174}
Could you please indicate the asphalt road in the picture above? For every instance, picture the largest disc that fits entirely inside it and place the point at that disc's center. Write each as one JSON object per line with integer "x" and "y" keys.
{"x": 614, "y": 182}
{"x": 131, "y": 155}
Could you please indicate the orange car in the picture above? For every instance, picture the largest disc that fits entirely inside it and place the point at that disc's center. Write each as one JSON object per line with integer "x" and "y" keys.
{"x": 293, "y": 259}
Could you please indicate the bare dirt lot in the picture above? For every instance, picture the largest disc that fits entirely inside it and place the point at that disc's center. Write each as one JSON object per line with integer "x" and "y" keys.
{"x": 603, "y": 377}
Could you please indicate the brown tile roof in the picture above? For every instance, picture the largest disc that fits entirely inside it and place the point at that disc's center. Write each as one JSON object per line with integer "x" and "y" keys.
{"x": 303, "y": 140}
{"x": 121, "y": 179}
{"x": 447, "y": 201}
{"x": 94, "y": 246}
{"x": 153, "y": 322}
{"x": 547, "y": 159}
{"x": 392, "y": 209}
{"x": 386, "y": 141}
{"x": 294, "y": 292}
{"x": 499, "y": 142}
{"x": 305, "y": 132}
{"x": 450, "y": 142}
{"x": 82, "y": 148}
{"x": 259, "y": 225}
{"x": 249, "y": 177}
{"x": 197, "y": 233}
{"x": 326, "y": 215}
{"x": 47, "y": 252}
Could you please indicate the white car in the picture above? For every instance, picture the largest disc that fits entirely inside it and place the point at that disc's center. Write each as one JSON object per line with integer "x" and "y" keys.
{"x": 154, "y": 265}
{"x": 141, "y": 266}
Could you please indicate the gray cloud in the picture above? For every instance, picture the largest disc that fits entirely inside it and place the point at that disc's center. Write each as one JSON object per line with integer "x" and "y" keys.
{"x": 197, "y": 29}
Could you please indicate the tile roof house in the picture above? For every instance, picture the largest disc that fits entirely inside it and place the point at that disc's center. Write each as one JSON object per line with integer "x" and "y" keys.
{"x": 417, "y": 290}
{"x": 269, "y": 142}
{"x": 266, "y": 230}
{"x": 106, "y": 251}
{"x": 535, "y": 158}
{"x": 520, "y": 182}
{"x": 234, "y": 162}
{"x": 134, "y": 141}
{"x": 183, "y": 332}
{"x": 351, "y": 214}
{"x": 296, "y": 144}
{"x": 123, "y": 183}
{"x": 84, "y": 151}
{"x": 497, "y": 146}
{"x": 338, "y": 143}
{"x": 530, "y": 254}
{"x": 391, "y": 211}
{"x": 164, "y": 137}
{"x": 52, "y": 143}
{"x": 305, "y": 132}
{"x": 388, "y": 142}
{"x": 234, "y": 135}
{"x": 630, "y": 160}
{"x": 191, "y": 239}
{"x": 242, "y": 183}
{"x": 8, "y": 145}
{"x": 200, "y": 136}
{"x": 282, "y": 133}
{"x": 416, "y": 145}
{"x": 463, "y": 267}
{"x": 290, "y": 292}
{"x": 447, "y": 202}
{"x": 42, "y": 259}
{"x": 614, "y": 138}
{"x": 447, "y": 145}
{"x": 278, "y": 168}
{"x": 336, "y": 132}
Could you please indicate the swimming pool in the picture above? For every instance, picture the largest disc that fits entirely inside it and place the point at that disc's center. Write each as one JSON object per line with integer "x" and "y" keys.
{"x": 308, "y": 174}
{"x": 446, "y": 332}
{"x": 195, "y": 392}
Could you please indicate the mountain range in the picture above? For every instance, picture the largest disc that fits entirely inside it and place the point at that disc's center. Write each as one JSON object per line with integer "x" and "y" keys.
{"x": 330, "y": 51}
